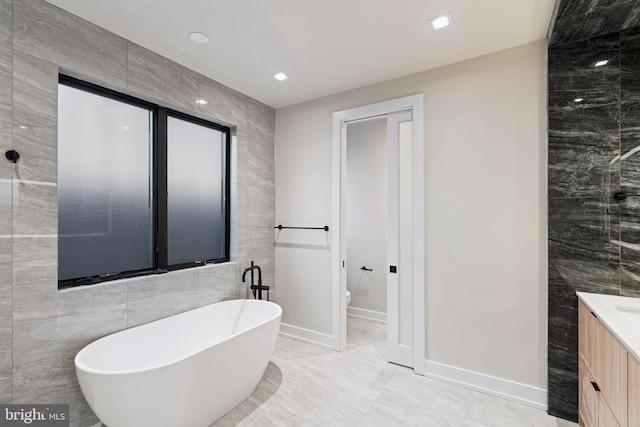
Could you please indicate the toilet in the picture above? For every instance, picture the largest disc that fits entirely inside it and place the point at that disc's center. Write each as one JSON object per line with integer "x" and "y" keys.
{"x": 348, "y": 298}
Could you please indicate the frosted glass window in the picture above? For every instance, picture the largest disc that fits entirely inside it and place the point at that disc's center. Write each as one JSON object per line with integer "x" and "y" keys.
{"x": 141, "y": 189}
{"x": 196, "y": 197}
{"x": 105, "y": 215}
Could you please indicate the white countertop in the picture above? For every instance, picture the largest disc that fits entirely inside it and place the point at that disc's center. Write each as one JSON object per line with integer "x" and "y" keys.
{"x": 621, "y": 315}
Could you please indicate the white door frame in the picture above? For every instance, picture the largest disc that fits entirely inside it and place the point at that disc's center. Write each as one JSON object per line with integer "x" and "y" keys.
{"x": 414, "y": 103}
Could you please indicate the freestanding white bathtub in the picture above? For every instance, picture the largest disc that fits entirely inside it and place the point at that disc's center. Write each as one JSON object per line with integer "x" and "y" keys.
{"x": 186, "y": 370}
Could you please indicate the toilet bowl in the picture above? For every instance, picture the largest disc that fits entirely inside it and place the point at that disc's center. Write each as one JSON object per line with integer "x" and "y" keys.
{"x": 348, "y": 297}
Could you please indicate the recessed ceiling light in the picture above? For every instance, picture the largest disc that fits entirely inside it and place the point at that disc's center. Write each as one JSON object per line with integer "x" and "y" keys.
{"x": 201, "y": 101}
{"x": 198, "y": 37}
{"x": 601, "y": 63}
{"x": 280, "y": 76}
{"x": 440, "y": 22}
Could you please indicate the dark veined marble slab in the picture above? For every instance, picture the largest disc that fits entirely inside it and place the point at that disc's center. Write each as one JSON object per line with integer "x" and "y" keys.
{"x": 584, "y": 19}
{"x": 583, "y": 146}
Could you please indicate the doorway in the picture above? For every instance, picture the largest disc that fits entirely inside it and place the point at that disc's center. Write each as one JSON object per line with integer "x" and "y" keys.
{"x": 405, "y": 308}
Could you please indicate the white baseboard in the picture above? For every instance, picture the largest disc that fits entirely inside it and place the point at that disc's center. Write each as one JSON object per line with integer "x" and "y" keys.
{"x": 506, "y": 389}
{"x": 374, "y": 316}
{"x": 306, "y": 335}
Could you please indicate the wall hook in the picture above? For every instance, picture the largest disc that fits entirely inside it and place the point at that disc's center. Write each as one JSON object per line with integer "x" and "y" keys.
{"x": 12, "y": 155}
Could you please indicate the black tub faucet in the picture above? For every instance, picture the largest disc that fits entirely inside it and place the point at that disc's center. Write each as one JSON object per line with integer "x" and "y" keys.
{"x": 259, "y": 287}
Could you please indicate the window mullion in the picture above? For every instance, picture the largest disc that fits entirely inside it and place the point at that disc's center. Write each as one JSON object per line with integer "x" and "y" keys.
{"x": 161, "y": 196}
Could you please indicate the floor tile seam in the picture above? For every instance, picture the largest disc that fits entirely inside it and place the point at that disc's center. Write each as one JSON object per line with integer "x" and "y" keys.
{"x": 466, "y": 406}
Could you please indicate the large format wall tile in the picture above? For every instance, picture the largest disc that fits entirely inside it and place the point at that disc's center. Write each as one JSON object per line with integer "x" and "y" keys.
{"x": 261, "y": 118}
{"x": 6, "y": 65}
{"x": 562, "y": 348}
{"x": 630, "y": 64}
{"x": 261, "y": 205}
{"x": 6, "y": 319}
{"x": 216, "y": 283}
{"x": 583, "y": 146}
{"x": 630, "y": 207}
{"x": 161, "y": 80}
{"x": 52, "y": 380}
{"x": 35, "y": 208}
{"x": 154, "y": 297}
{"x": 572, "y": 74}
{"x": 6, "y": 203}
{"x": 594, "y": 125}
{"x": 261, "y": 165}
{"x": 47, "y": 327}
{"x": 224, "y": 104}
{"x": 584, "y": 19}
{"x": 77, "y": 46}
{"x": 583, "y": 243}
{"x": 35, "y": 115}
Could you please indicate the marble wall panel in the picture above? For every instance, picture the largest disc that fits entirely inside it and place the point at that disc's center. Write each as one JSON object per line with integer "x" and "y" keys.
{"x": 80, "y": 48}
{"x": 261, "y": 205}
{"x": 584, "y": 19}
{"x": 243, "y": 156}
{"x": 630, "y": 207}
{"x": 591, "y": 157}
{"x": 35, "y": 208}
{"x": 242, "y": 236}
{"x": 35, "y": 115}
{"x": 261, "y": 118}
{"x": 584, "y": 243}
{"x": 154, "y": 77}
{"x": 47, "y": 326}
{"x": 562, "y": 347}
{"x": 6, "y": 210}
{"x": 216, "y": 283}
{"x": 52, "y": 380}
{"x": 152, "y": 298}
{"x": 583, "y": 146}
{"x": 224, "y": 104}
{"x": 572, "y": 74}
{"x": 261, "y": 164}
{"x": 6, "y": 320}
{"x": 630, "y": 64}
{"x": 6, "y": 66}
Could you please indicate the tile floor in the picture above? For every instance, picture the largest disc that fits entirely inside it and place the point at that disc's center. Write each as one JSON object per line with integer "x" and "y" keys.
{"x": 306, "y": 385}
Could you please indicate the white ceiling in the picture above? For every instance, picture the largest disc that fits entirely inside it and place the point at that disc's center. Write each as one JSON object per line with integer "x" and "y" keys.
{"x": 326, "y": 46}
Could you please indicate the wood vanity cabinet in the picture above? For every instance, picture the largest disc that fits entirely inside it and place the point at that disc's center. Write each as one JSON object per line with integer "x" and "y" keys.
{"x": 634, "y": 391}
{"x": 608, "y": 376}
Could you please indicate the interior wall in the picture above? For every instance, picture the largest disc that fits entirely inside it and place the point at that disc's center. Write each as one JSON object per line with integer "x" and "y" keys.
{"x": 41, "y": 329}
{"x": 485, "y": 140}
{"x": 593, "y": 147}
{"x": 366, "y": 226}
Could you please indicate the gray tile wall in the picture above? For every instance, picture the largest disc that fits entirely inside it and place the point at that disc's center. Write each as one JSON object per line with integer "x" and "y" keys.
{"x": 6, "y": 216}
{"x": 41, "y": 329}
{"x": 593, "y": 153}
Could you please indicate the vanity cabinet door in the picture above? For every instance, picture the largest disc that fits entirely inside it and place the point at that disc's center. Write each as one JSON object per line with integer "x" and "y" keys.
{"x": 611, "y": 373}
{"x": 588, "y": 397}
{"x": 587, "y": 334}
{"x": 634, "y": 392}
{"x": 605, "y": 416}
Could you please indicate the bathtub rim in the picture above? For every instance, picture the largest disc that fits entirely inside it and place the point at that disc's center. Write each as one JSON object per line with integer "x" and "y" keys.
{"x": 79, "y": 365}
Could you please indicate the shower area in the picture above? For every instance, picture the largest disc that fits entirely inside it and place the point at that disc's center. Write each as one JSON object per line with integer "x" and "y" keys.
{"x": 593, "y": 177}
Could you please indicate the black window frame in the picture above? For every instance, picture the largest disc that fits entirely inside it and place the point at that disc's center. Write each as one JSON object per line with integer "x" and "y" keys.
{"x": 159, "y": 214}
